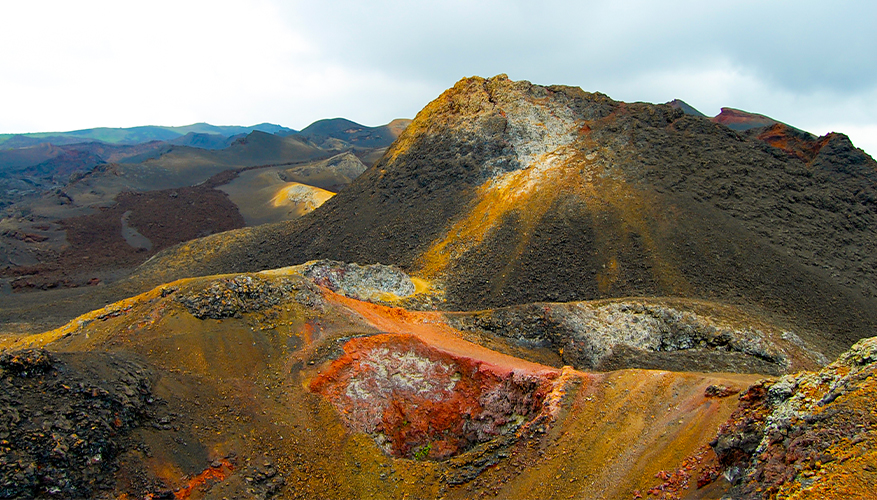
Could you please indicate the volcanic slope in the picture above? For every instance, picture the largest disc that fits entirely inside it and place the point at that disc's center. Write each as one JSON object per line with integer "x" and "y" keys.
{"x": 274, "y": 194}
{"x": 288, "y": 383}
{"x": 511, "y": 193}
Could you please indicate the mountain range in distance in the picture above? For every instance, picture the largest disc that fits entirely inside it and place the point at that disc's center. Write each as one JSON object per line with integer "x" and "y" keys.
{"x": 191, "y": 135}
{"x": 132, "y": 135}
{"x": 530, "y": 292}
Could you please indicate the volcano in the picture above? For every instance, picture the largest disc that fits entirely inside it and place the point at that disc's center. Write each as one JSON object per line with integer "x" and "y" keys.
{"x": 511, "y": 193}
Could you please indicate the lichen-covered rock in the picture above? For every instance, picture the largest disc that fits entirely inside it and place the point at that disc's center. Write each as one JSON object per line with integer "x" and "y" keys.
{"x": 369, "y": 282}
{"x": 810, "y": 435}
{"x": 862, "y": 354}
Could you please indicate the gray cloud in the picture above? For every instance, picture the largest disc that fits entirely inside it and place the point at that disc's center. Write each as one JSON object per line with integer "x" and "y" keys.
{"x": 798, "y": 46}
{"x": 778, "y": 57}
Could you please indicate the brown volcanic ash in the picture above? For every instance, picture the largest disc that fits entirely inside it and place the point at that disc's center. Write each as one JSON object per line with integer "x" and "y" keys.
{"x": 515, "y": 193}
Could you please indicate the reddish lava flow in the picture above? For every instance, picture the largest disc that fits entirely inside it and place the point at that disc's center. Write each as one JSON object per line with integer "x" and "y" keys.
{"x": 735, "y": 118}
{"x": 418, "y": 401}
{"x": 211, "y": 474}
{"x": 797, "y": 144}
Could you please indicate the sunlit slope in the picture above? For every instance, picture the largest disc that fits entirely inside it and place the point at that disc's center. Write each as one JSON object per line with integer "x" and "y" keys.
{"x": 275, "y": 194}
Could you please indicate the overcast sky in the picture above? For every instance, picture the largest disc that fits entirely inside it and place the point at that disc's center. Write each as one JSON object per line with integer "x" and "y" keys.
{"x": 67, "y": 65}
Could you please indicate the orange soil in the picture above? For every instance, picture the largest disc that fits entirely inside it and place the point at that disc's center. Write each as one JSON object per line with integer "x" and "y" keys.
{"x": 212, "y": 474}
{"x": 431, "y": 328}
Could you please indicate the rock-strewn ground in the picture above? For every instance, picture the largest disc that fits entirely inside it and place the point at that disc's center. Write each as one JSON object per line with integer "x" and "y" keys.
{"x": 809, "y": 435}
{"x": 65, "y": 419}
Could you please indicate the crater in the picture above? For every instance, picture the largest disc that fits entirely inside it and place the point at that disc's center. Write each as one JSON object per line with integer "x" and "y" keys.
{"x": 417, "y": 401}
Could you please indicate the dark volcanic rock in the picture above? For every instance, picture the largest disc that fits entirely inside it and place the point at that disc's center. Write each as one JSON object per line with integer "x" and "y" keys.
{"x": 63, "y": 421}
{"x": 233, "y": 297}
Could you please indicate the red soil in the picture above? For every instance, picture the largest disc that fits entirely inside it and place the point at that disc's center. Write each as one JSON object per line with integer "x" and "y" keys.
{"x": 782, "y": 137}
{"x": 421, "y": 402}
{"x": 423, "y": 392}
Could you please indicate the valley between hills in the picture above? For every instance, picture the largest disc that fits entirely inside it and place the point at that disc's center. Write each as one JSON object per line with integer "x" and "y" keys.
{"x": 526, "y": 292}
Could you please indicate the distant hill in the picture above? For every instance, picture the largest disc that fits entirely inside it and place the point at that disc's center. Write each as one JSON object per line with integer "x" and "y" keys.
{"x": 205, "y": 135}
{"x": 133, "y": 135}
{"x": 685, "y": 107}
{"x": 328, "y": 133}
{"x": 24, "y": 158}
{"x": 736, "y": 119}
{"x": 180, "y": 166}
{"x": 206, "y": 141}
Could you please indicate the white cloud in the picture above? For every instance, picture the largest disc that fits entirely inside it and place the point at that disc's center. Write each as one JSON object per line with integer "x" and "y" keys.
{"x": 91, "y": 63}
{"x": 862, "y": 136}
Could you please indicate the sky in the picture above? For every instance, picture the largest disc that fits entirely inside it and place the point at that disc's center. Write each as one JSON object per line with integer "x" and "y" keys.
{"x": 71, "y": 65}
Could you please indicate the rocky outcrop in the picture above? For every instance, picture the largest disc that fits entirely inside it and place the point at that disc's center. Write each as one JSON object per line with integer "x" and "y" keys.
{"x": 630, "y": 333}
{"x": 236, "y": 296}
{"x": 371, "y": 282}
{"x": 794, "y": 142}
{"x": 419, "y": 402}
{"x": 810, "y": 435}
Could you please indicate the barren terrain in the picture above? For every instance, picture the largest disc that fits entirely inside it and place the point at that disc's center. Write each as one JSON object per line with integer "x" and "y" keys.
{"x": 535, "y": 292}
